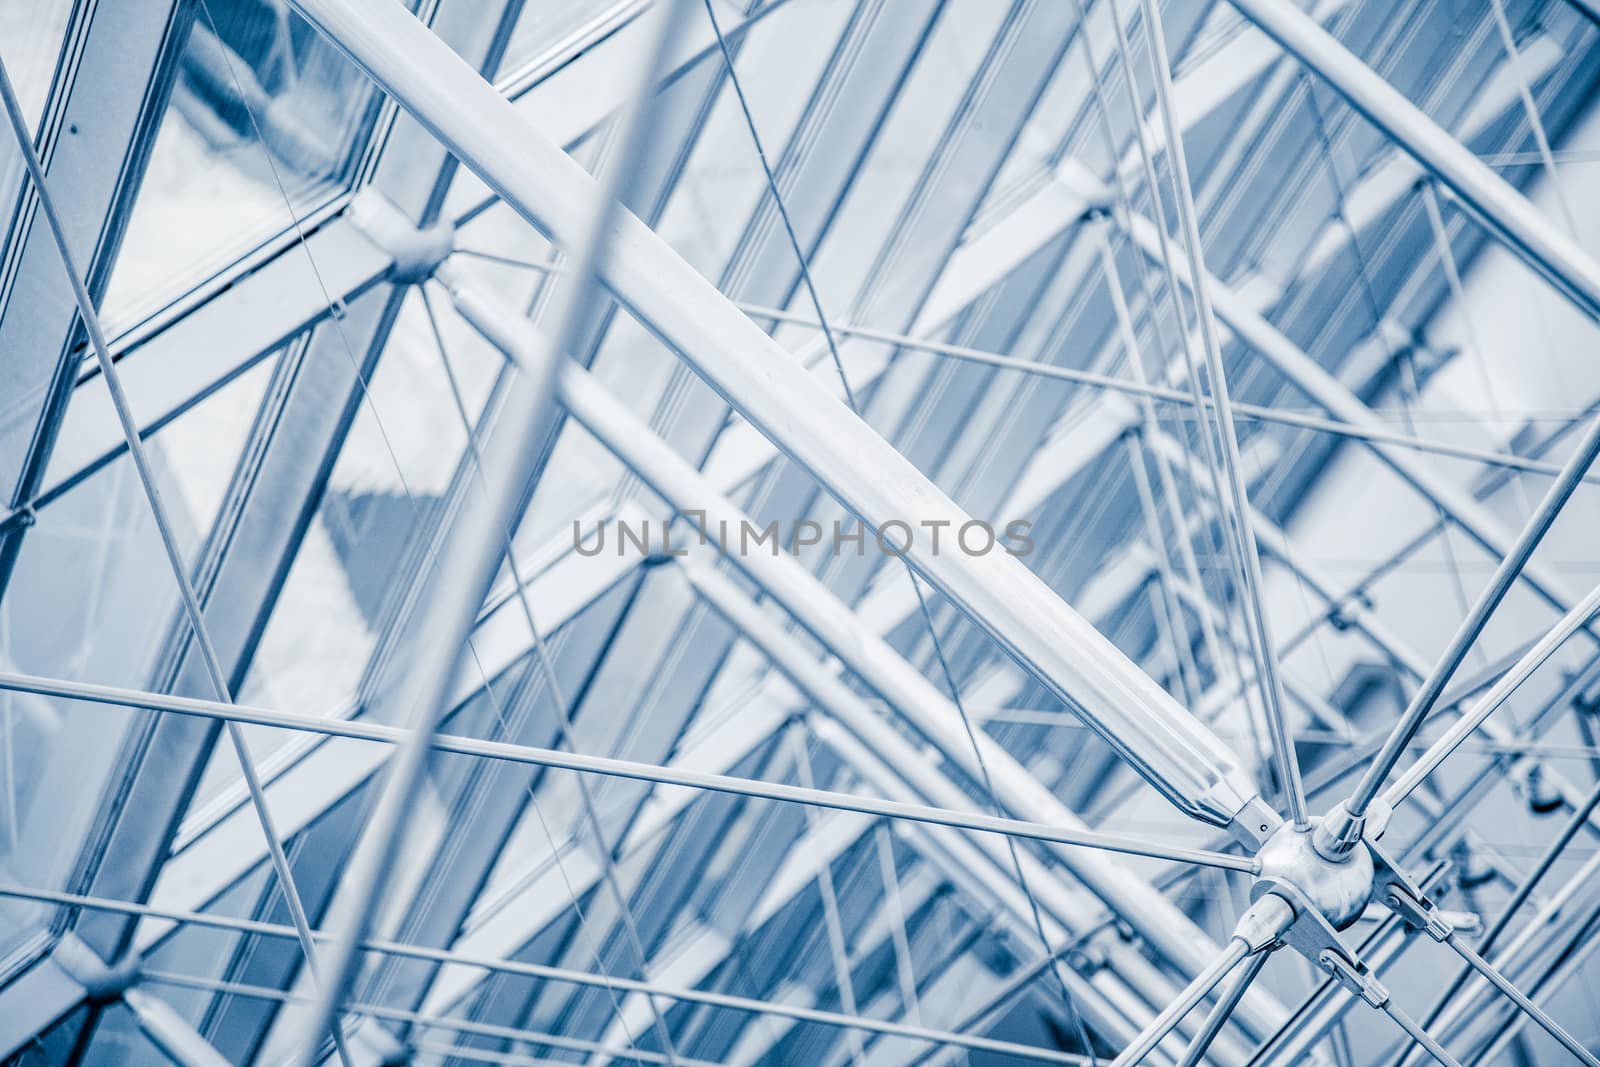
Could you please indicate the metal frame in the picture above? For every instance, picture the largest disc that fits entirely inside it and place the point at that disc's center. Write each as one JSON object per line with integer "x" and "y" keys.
{"x": 910, "y": 296}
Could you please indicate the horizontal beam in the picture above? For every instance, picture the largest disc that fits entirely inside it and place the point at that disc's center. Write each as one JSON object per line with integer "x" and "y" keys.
{"x": 555, "y": 974}
{"x": 618, "y": 768}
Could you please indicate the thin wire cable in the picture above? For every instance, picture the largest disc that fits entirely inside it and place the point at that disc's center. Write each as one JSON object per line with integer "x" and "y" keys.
{"x": 427, "y": 565}
{"x": 1410, "y": 387}
{"x": 556, "y": 849}
{"x": 621, "y": 768}
{"x": 904, "y": 971}
{"x": 1429, "y": 194}
{"x": 388, "y": 445}
{"x": 544, "y": 972}
{"x": 564, "y": 722}
{"x": 411, "y": 1018}
{"x": 1531, "y": 110}
{"x": 850, "y": 398}
{"x": 832, "y": 924}
{"x": 380, "y": 839}
{"x": 1242, "y": 544}
{"x": 783, "y": 211}
{"x": 1305, "y": 419}
{"x": 169, "y": 542}
{"x": 1119, "y": 305}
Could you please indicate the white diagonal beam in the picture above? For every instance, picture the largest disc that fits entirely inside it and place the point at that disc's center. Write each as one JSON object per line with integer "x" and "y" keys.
{"x": 753, "y": 373}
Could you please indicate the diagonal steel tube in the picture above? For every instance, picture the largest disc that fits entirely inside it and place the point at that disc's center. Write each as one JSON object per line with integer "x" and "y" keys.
{"x": 1186, "y": 762}
{"x": 1218, "y": 1017}
{"x": 1519, "y": 896}
{"x": 803, "y": 595}
{"x": 1521, "y": 1000}
{"x": 1197, "y": 990}
{"x": 765, "y": 630}
{"x": 1341, "y": 830}
{"x": 1485, "y": 706}
{"x": 1504, "y": 210}
{"x": 886, "y": 750}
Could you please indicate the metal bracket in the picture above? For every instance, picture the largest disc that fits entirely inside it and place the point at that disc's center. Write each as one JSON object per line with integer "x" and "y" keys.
{"x": 1395, "y": 890}
{"x": 1310, "y": 934}
{"x": 1354, "y": 976}
{"x": 1314, "y": 937}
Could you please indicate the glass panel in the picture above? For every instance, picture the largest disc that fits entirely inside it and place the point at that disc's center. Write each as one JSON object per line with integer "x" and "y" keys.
{"x": 93, "y": 598}
{"x": 546, "y": 23}
{"x": 265, "y": 123}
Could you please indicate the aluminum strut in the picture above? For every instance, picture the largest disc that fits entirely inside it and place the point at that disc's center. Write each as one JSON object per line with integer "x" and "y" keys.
{"x": 1182, "y": 759}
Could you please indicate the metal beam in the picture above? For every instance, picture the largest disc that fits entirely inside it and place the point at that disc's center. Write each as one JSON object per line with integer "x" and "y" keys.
{"x": 1253, "y": 329}
{"x": 1186, "y": 763}
{"x": 1504, "y": 210}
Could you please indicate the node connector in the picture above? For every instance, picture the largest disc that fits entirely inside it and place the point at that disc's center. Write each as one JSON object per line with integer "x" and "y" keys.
{"x": 1338, "y": 834}
{"x": 1338, "y": 889}
{"x": 416, "y": 252}
{"x": 1264, "y": 922}
{"x": 102, "y": 982}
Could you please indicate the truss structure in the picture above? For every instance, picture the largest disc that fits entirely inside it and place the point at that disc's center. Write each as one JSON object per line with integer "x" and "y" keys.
{"x": 799, "y": 532}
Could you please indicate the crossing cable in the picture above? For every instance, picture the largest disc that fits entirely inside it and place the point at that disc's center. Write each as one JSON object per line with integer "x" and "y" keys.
{"x": 933, "y": 632}
{"x": 1242, "y": 545}
{"x": 191, "y": 602}
{"x": 544, "y": 972}
{"x": 564, "y": 719}
{"x": 664, "y": 31}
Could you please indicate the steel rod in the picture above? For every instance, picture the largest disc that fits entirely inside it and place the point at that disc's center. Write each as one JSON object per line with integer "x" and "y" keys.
{"x": 618, "y": 768}
{"x": 837, "y": 627}
{"x": 893, "y": 765}
{"x": 1517, "y": 997}
{"x": 1418, "y": 1034}
{"x": 1486, "y": 705}
{"x": 564, "y": 723}
{"x": 729, "y": 1001}
{"x": 1567, "y": 963}
{"x": 793, "y": 409}
{"x": 1258, "y": 412}
{"x": 416, "y": 1018}
{"x": 1519, "y": 896}
{"x": 1246, "y": 557}
{"x": 1220, "y": 1012}
{"x": 1334, "y": 833}
{"x": 391, "y": 44}
{"x": 1506, "y": 212}
{"x": 212, "y": 662}
{"x": 1311, "y": 378}
{"x": 1196, "y": 991}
